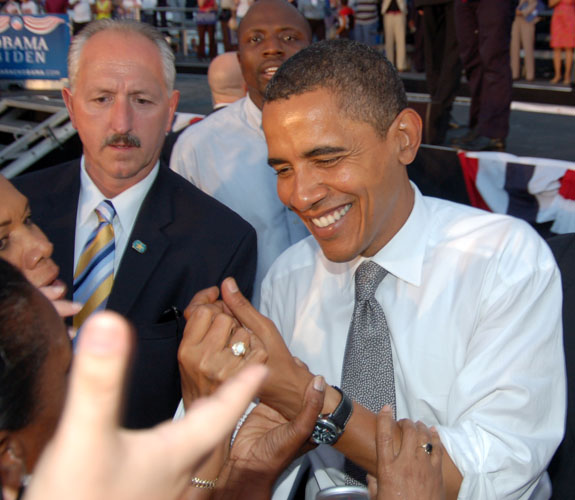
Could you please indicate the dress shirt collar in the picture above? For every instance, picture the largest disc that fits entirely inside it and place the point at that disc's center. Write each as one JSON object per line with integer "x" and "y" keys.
{"x": 253, "y": 115}
{"x": 413, "y": 235}
{"x": 127, "y": 203}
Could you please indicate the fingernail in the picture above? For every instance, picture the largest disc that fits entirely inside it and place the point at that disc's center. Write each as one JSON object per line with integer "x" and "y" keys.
{"x": 319, "y": 383}
{"x": 100, "y": 335}
{"x": 232, "y": 285}
{"x": 387, "y": 409}
{"x": 77, "y": 305}
{"x": 59, "y": 289}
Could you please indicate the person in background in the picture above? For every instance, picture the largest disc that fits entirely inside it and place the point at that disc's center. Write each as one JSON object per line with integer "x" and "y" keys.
{"x": 229, "y": 40}
{"x": 484, "y": 37}
{"x": 81, "y": 14}
{"x": 442, "y": 65}
{"x": 241, "y": 9}
{"x": 11, "y": 7}
{"x": 394, "y": 22}
{"x": 56, "y": 6}
{"x": 130, "y": 9}
{"x": 366, "y": 19}
{"x": 562, "y": 37}
{"x": 30, "y": 7}
{"x": 103, "y": 9}
{"x": 523, "y": 36}
{"x": 314, "y": 12}
{"x": 225, "y": 79}
{"x": 206, "y": 19}
{"x": 345, "y": 20}
{"x": 225, "y": 154}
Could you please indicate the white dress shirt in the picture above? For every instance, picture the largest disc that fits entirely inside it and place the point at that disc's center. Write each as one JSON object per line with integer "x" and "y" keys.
{"x": 473, "y": 303}
{"x": 127, "y": 205}
{"x": 225, "y": 155}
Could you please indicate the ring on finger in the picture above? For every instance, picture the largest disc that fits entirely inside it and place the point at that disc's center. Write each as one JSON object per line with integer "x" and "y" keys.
{"x": 239, "y": 349}
{"x": 427, "y": 447}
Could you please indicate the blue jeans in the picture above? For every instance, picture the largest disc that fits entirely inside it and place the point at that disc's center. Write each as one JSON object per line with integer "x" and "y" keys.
{"x": 365, "y": 33}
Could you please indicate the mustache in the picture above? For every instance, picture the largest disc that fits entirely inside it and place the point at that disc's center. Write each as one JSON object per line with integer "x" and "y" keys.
{"x": 122, "y": 140}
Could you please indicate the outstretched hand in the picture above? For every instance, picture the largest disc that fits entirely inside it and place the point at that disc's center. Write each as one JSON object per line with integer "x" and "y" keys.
{"x": 92, "y": 458}
{"x": 266, "y": 444}
{"x": 284, "y": 387}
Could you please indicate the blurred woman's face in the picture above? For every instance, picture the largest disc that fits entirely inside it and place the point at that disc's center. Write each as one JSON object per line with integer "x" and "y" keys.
{"x": 22, "y": 243}
{"x": 53, "y": 380}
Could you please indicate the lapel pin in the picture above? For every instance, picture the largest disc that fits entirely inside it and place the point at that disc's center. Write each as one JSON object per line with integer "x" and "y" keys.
{"x": 139, "y": 246}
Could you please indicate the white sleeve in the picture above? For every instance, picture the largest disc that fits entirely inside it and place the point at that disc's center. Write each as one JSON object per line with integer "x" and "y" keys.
{"x": 506, "y": 410}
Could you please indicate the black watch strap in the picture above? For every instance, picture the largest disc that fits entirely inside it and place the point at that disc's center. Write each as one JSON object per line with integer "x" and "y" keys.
{"x": 342, "y": 413}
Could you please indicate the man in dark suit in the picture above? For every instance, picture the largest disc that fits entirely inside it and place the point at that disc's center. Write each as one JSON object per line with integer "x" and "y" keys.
{"x": 171, "y": 239}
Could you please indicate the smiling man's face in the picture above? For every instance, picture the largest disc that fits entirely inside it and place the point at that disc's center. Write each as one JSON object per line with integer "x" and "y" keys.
{"x": 271, "y": 32}
{"x": 344, "y": 180}
{"x": 121, "y": 107}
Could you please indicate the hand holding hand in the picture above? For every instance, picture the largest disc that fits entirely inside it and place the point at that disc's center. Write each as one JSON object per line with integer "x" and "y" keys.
{"x": 266, "y": 444}
{"x": 410, "y": 473}
{"x": 285, "y": 385}
{"x": 205, "y": 353}
{"x": 92, "y": 458}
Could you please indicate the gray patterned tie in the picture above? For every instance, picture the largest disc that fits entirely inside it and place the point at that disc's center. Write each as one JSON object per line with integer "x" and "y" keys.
{"x": 367, "y": 376}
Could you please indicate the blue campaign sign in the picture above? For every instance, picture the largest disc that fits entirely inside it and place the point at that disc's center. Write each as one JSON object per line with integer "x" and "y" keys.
{"x": 34, "y": 47}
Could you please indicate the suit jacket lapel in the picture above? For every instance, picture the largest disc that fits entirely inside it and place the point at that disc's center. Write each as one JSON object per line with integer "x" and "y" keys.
{"x": 61, "y": 211}
{"x": 137, "y": 267}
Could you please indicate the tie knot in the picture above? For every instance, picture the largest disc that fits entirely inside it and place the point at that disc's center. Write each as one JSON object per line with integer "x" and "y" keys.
{"x": 105, "y": 211}
{"x": 367, "y": 278}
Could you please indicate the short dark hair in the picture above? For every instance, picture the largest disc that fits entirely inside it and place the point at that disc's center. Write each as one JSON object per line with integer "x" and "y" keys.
{"x": 23, "y": 350}
{"x": 365, "y": 83}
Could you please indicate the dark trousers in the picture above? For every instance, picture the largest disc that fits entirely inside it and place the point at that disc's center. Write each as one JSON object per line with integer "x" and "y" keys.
{"x": 226, "y": 14}
{"x": 162, "y": 14}
{"x": 484, "y": 36}
{"x": 210, "y": 29}
{"x": 317, "y": 29}
{"x": 442, "y": 68}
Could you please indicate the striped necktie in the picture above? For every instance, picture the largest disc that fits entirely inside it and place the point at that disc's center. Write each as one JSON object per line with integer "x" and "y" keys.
{"x": 94, "y": 274}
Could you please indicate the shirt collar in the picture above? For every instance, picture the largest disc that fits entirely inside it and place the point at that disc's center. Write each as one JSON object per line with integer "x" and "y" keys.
{"x": 127, "y": 203}
{"x": 413, "y": 235}
{"x": 253, "y": 115}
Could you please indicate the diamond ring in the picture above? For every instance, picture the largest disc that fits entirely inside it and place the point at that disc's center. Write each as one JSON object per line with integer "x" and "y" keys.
{"x": 239, "y": 349}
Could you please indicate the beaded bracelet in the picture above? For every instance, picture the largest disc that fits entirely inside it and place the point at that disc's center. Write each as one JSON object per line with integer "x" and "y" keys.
{"x": 208, "y": 484}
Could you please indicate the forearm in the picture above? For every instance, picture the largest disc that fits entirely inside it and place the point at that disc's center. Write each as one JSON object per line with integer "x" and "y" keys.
{"x": 358, "y": 443}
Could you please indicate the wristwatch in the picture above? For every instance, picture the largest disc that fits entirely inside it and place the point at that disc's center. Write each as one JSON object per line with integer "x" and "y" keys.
{"x": 330, "y": 426}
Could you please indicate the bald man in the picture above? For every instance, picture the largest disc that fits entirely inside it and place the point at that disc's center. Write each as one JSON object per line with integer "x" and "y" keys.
{"x": 225, "y": 155}
{"x": 225, "y": 79}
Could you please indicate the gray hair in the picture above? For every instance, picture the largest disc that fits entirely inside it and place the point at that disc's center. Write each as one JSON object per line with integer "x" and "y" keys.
{"x": 366, "y": 85}
{"x": 124, "y": 26}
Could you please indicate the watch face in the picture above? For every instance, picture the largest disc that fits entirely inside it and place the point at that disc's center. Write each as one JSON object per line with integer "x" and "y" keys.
{"x": 325, "y": 432}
